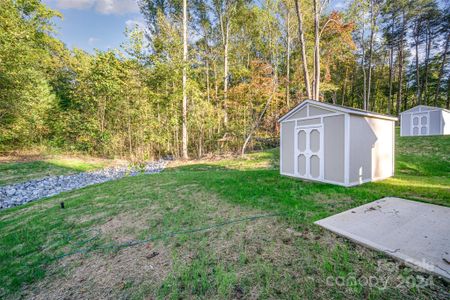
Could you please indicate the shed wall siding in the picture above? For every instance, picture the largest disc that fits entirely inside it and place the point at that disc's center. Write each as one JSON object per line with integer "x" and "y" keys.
{"x": 287, "y": 147}
{"x": 382, "y": 152}
{"x": 435, "y": 122}
{"x": 308, "y": 122}
{"x": 334, "y": 148}
{"x": 315, "y": 111}
{"x": 371, "y": 145}
{"x": 414, "y": 109}
{"x": 424, "y": 108}
{"x": 302, "y": 113}
{"x": 405, "y": 124}
{"x": 362, "y": 139}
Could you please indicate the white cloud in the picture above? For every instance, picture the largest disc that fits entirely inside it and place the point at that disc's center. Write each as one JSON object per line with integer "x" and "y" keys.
{"x": 92, "y": 41}
{"x": 106, "y": 7}
{"x": 133, "y": 23}
{"x": 116, "y": 6}
{"x": 76, "y": 4}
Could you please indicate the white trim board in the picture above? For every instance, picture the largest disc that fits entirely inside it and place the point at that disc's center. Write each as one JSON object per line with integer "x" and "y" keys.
{"x": 314, "y": 180}
{"x": 420, "y": 107}
{"x": 339, "y": 108}
{"x": 347, "y": 149}
{"x": 352, "y": 184}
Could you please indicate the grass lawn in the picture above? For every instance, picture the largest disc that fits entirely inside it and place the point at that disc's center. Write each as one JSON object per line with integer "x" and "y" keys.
{"x": 14, "y": 172}
{"x": 205, "y": 237}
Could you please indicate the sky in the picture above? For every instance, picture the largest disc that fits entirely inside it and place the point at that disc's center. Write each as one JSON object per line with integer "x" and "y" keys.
{"x": 94, "y": 24}
{"x": 100, "y": 24}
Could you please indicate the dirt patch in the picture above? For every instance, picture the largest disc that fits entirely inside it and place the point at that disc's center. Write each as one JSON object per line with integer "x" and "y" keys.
{"x": 30, "y": 156}
{"x": 122, "y": 228}
{"x": 21, "y": 156}
{"x": 106, "y": 273}
{"x": 104, "y": 276}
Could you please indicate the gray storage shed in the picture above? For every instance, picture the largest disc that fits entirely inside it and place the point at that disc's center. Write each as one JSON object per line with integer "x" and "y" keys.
{"x": 425, "y": 120}
{"x": 336, "y": 144}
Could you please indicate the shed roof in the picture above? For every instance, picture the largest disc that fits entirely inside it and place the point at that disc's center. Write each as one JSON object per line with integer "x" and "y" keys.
{"x": 426, "y": 106}
{"x": 340, "y": 108}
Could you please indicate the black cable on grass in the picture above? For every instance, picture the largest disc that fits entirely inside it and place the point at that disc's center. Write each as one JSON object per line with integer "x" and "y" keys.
{"x": 132, "y": 243}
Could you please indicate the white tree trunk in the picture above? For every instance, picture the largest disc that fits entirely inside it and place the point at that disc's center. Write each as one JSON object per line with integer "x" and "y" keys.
{"x": 316, "y": 88}
{"x": 185, "y": 54}
{"x": 288, "y": 56}
{"x": 369, "y": 79}
{"x": 225, "y": 73}
{"x": 301, "y": 37}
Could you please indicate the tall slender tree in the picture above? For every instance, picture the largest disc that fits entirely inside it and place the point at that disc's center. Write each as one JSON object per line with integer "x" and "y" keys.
{"x": 302, "y": 41}
{"x": 185, "y": 63}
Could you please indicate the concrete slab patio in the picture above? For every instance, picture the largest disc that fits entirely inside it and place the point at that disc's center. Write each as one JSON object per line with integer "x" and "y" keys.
{"x": 415, "y": 233}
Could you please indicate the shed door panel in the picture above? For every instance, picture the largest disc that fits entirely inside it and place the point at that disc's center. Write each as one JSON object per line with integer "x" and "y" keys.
{"x": 420, "y": 124}
{"x": 309, "y": 152}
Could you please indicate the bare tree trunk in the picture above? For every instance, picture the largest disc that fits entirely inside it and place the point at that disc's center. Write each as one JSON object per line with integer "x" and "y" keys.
{"x": 369, "y": 80}
{"x": 441, "y": 69}
{"x": 185, "y": 53}
{"x": 391, "y": 68}
{"x": 344, "y": 87}
{"x": 352, "y": 88}
{"x": 301, "y": 38}
{"x": 225, "y": 73}
{"x": 200, "y": 143}
{"x": 448, "y": 94}
{"x": 416, "y": 41}
{"x": 261, "y": 116}
{"x": 363, "y": 66}
{"x": 376, "y": 84}
{"x": 208, "y": 92}
{"x": 400, "y": 65}
{"x": 316, "y": 88}
{"x": 130, "y": 144}
{"x": 391, "y": 58}
{"x": 216, "y": 83}
{"x": 405, "y": 102}
{"x": 288, "y": 57}
{"x": 424, "y": 93}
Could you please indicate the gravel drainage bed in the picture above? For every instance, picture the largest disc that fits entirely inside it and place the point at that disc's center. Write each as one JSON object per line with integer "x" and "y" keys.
{"x": 21, "y": 193}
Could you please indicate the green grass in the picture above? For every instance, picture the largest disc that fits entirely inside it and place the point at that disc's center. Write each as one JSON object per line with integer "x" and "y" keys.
{"x": 275, "y": 257}
{"x": 15, "y": 172}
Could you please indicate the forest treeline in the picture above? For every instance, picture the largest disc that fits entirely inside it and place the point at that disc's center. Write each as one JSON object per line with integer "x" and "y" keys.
{"x": 214, "y": 76}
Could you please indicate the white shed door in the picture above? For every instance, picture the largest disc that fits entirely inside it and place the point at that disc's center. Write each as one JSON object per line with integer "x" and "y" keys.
{"x": 420, "y": 124}
{"x": 309, "y": 152}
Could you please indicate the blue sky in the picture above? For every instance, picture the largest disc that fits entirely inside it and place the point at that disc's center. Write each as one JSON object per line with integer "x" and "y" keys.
{"x": 100, "y": 24}
{"x": 90, "y": 24}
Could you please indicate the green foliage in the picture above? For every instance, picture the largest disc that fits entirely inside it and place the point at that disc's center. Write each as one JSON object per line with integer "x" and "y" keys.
{"x": 225, "y": 261}
{"x": 128, "y": 102}
{"x": 25, "y": 93}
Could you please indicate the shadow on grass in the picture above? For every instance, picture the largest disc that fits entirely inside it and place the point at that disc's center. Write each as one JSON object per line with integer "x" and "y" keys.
{"x": 174, "y": 196}
{"x": 16, "y": 172}
{"x": 267, "y": 189}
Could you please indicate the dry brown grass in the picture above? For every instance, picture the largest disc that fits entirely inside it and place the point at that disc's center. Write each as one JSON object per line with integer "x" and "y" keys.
{"x": 101, "y": 276}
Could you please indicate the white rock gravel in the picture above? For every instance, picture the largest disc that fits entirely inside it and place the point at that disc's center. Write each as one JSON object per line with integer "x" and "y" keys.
{"x": 24, "y": 192}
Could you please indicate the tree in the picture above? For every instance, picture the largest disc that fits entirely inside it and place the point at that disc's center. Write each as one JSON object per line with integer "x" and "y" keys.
{"x": 441, "y": 69}
{"x": 225, "y": 11}
{"x": 151, "y": 99}
{"x": 301, "y": 37}
{"x": 185, "y": 54}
